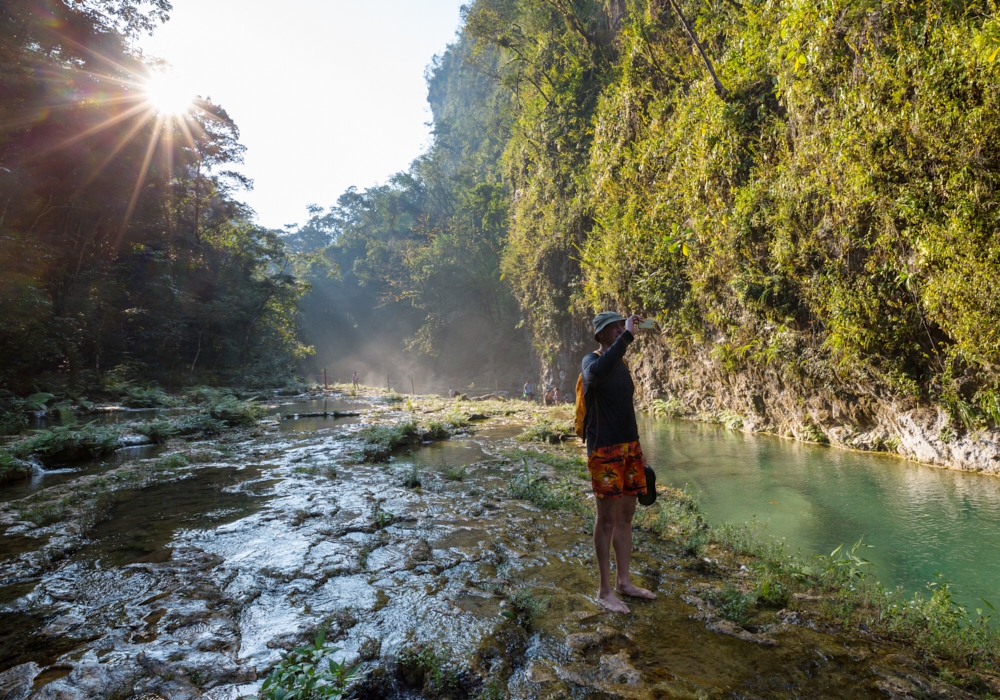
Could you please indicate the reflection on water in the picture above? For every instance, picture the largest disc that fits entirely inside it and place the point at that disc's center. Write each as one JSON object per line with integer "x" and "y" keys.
{"x": 447, "y": 453}
{"x": 316, "y": 406}
{"x": 139, "y": 527}
{"x": 921, "y": 521}
{"x": 316, "y": 423}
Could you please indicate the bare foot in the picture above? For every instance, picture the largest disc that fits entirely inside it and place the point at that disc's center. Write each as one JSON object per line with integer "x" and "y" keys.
{"x": 635, "y": 592}
{"x": 612, "y": 603}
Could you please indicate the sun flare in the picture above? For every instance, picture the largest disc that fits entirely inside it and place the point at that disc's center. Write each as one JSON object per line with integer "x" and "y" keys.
{"x": 167, "y": 95}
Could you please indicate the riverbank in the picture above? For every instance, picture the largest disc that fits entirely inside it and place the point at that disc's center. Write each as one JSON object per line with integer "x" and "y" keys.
{"x": 457, "y": 567}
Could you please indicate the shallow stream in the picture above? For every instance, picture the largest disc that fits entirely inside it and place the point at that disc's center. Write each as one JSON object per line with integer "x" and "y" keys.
{"x": 192, "y": 586}
{"x": 920, "y": 521}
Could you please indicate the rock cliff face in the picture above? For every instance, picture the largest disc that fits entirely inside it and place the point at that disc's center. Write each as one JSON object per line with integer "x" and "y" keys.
{"x": 805, "y": 409}
{"x": 562, "y": 368}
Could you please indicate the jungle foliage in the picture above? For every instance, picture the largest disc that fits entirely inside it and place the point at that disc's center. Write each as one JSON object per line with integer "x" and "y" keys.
{"x": 803, "y": 188}
{"x": 123, "y": 246}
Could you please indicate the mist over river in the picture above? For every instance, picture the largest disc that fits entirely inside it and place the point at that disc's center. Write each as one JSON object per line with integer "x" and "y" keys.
{"x": 920, "y": 521}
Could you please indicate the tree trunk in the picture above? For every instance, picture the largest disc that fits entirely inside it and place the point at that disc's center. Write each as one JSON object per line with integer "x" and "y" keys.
{"x": 720, "y": 90}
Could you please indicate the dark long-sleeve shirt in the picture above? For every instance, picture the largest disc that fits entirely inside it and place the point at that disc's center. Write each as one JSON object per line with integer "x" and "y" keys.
{"x": 608, "y": 391}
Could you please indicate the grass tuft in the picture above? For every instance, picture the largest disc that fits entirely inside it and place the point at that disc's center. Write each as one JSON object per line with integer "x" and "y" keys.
{"x": 571, "y": 463}
{"x": 378, "y": 441}
{"x": 454, "y": 472}
{"x": 235, "y": 413}
{"x": 762, "y": 574}
{"x": 547, "y": 430}
{"x": 411, "y": 477}
{"x": 530, "y": 486}
{"x": 526, "y": 608}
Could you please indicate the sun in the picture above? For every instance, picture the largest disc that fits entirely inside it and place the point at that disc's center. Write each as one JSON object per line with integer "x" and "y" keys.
{"x": 166, "y": 94}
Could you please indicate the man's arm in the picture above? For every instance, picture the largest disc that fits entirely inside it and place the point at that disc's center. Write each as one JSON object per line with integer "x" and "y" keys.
{"x": 596, "y": 368}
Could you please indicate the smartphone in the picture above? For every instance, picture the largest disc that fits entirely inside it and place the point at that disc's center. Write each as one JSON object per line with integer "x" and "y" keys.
{"x": 646, "y": 325}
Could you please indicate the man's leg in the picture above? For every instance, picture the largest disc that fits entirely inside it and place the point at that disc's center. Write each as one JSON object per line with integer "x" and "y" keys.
{"x": 604, "y": 528}
{"x": 622, "y": 539}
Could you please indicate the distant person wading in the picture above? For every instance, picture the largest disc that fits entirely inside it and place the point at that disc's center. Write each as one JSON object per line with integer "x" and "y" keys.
{"x": 614, "y": 457}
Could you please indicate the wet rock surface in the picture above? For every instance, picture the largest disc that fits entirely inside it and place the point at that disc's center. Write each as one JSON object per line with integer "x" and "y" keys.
{"x": 193, "y": 586}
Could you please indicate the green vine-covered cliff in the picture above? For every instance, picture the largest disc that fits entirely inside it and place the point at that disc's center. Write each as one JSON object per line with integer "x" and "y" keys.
{"x": 803, "y": 195}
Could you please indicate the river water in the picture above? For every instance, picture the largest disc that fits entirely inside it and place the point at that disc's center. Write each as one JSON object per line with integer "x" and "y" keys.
{"x": 192, "y": 585}
{"x": 920, "y": 521}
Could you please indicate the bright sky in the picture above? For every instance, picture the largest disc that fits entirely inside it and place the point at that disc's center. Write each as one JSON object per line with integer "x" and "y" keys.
{"x": 327, "y": 93}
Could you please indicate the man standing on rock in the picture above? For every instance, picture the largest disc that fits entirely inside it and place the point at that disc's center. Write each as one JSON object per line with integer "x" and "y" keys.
{"x": 614, "y": 457}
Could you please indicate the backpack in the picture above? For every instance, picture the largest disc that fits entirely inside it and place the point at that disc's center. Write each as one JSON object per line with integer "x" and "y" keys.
{"x": 580, "y": 419}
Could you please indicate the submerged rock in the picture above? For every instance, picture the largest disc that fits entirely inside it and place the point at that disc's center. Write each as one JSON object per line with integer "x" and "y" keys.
{"x": 15, "y": 683}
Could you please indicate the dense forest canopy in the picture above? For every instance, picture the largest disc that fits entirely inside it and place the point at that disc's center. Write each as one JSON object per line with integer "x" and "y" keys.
{"x": 124, "y": 248}
{"x": 807, "y": 190}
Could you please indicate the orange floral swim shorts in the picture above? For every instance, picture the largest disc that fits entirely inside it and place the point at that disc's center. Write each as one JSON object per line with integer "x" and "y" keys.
{"x": 618, "y": 470}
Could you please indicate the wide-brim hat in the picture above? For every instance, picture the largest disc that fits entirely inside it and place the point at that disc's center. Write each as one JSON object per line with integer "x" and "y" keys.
{"x": 603, "y": 319}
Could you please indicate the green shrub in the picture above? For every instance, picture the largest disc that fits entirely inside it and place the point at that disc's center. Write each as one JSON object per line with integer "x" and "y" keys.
{"x": 383, "y": 518}
{"x": 12, "y": 468}
{"x": 170, "y": 462}
{"x": 378, "y": 441}
{"x": 812, "y": 433}
{"x": 45, "y": 514}
{"x": 15, "y": 413}
{"x": 148, "y": 397}
{"x": 436, "y": 430}
{"x": 429, "y": 668}
{"x": 454, "y": 472}
{"x": 206, "y": 395}
{"x": 13, "y": 420}
{"x": 200, "y": 422}
{"x": 456, "y": 419}
{"x": 669, "y": 408}
{"x": 235, "y": 413}
{"x": 156, "y": 430}
{"x": 546, "y": 430}
{"x": 763, "y": 573}
{"x": 393, "y": 397}
{"x": 989, "y": 404}
{"x": 730, "y": 419}
{"x": 307, "y": 673}
{"x": 69, "y": 444}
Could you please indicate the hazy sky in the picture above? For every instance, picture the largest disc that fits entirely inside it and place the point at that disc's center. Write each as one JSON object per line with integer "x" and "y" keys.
{"x": 326, "y": 93}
